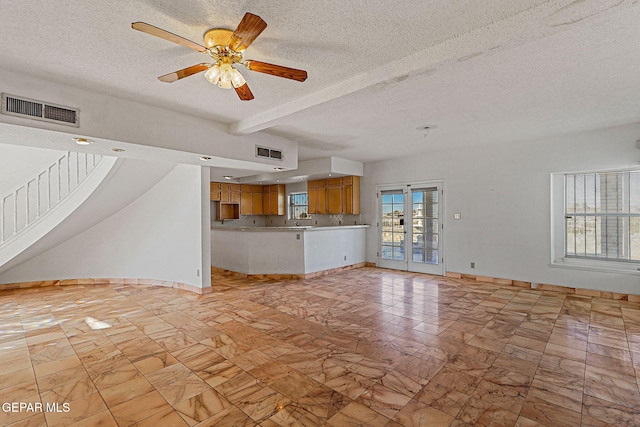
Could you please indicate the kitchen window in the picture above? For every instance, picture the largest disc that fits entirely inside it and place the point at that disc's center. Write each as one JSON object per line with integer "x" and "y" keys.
{"x": 600, "y": 219}
{"x": 299, "y": 206}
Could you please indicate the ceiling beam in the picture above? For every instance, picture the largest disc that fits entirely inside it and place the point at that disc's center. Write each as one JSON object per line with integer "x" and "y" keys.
{"x": 518, "y": 29}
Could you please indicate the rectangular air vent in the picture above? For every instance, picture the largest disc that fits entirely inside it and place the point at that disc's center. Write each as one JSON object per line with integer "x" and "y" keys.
{"x": 275, "y": 154}
{"x": 39, "y": 110}
{"x": 262, "y": 152}
{"x": 268, "y": 153}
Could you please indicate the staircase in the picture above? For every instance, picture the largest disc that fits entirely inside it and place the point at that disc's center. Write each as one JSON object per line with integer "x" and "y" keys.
{"x": 31, "y": 210}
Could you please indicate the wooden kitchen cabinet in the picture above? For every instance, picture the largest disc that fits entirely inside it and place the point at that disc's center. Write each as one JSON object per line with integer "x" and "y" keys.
{"x": 273, "y": 199}
{"x": 257, "y": 204}
{"x": 334, "y": 195}
{"x": 251, "y": 200}
{"x": 246, "y": 203}
{"x": 225, "y": 193}
{"x": 248, "y": 199}
{"x": 214, "y": 191}
{"x": 351, "y": 186}
{"x": 335, "y": 200}
{"x": 334, "y": 182}
{"x": 235, "y": 193}
{"x": 317, "y": 200}
{"x": 317, "y": 193}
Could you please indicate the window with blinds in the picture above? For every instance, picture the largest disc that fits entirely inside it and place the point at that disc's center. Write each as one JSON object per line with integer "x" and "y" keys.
{"x": 602, "y": 216}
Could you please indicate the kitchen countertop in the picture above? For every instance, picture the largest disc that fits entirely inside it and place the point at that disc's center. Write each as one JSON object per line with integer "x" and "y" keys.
{"x": 291, "y": 228}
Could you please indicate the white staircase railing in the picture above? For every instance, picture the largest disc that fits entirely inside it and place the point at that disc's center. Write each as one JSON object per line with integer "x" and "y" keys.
{"x": 25, "y": 204}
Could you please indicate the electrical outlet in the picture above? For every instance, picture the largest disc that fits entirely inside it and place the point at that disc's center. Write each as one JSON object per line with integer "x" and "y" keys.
{"x": 198, "y": 273}
{"x": 345, "y": 257}
{"x": 473, "y": 265}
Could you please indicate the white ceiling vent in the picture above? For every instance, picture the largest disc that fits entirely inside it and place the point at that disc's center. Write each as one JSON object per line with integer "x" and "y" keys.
{"x": 39, "y": 110}
{"x": 268, "y": 153}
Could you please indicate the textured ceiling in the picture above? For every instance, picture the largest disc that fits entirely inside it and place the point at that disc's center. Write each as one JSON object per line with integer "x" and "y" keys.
{"x": 483, "y": 72}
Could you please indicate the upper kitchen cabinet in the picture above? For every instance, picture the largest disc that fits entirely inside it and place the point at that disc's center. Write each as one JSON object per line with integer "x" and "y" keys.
{"x": 317, "y": 192}
{"x": 225, "y": 193}
{"x": 273, "y": 199}
{"x": 351, "y": 190}
{"x": 334, "y": 195}
{"x": 214, "y": 191}
{"x": 251, "y": 200}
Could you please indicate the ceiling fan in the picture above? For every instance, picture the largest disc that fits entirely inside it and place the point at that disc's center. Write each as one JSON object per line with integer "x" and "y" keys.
{"x": 226, "y": 48}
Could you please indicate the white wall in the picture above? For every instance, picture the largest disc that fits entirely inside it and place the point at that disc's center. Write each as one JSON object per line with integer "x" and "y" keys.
{"x": 258, "y": 251}
{"x": 327, "y": 248}
{"x": 159, "y": 236}
{"x": 117, "y": 119}
{"x": 19, "y": 164}
{"x": 293, "y": 251}
{"x": 503, "y": 194}
{"x": 126, "y": 182}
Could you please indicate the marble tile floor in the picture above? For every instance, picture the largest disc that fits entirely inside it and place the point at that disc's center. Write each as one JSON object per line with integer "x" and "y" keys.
{"x": 366, "y": 347}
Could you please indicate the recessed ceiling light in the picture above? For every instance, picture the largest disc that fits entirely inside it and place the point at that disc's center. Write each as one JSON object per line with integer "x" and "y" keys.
{"x": 228, "y": 177}
{"x": 83, "y": 141}
{"x": 205, "y": 158}
{"x": 279, "y": 169}
{"x": 118, "y": 150}
{"x": 277, "y": 180}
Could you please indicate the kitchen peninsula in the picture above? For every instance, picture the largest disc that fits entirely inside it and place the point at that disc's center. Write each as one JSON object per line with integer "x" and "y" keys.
{"x": 287, "y": 251}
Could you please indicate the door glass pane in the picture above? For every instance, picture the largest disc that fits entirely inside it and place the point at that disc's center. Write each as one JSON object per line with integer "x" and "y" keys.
{"x": 425, "y": 226}
{"x": 418, "y": 255}
{"x": 392, "y": 226}
{"x": 431, "y": 256}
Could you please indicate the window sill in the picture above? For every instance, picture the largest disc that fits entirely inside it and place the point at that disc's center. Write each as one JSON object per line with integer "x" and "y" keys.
{"x": 599, "y": 266}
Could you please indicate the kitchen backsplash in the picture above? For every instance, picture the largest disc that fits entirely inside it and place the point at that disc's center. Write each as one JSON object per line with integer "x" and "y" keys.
{"x": 282, "y": 221}
{"x": 319, "y": 220}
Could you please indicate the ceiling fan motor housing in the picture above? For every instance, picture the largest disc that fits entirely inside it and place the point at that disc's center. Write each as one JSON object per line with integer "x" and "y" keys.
{"x": 217, "y": 37}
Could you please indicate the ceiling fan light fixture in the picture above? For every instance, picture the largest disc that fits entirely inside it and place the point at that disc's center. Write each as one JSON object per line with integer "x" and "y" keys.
{"x": 225, "y": 77}
{"x": 225, "y": 48}
{"x": 213, "y": 74}
{"x": 237, "y": 79}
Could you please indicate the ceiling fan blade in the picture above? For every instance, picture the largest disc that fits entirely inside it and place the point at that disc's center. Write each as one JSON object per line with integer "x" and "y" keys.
{"x": 276, "y": 70}
{"x": 248, "y": 30}
{"x": 159, "y": 32}
{"x": 185, "y": 72}
{"x": 244, "y": 93}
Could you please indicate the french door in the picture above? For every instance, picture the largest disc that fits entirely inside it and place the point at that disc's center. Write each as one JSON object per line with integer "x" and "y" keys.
{"x": 410, "y": 227}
